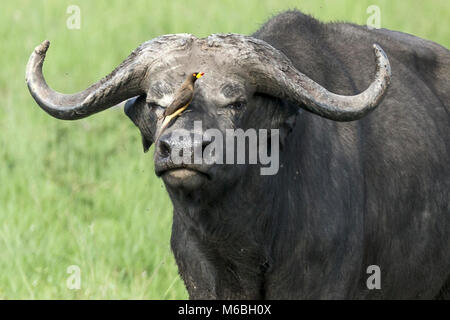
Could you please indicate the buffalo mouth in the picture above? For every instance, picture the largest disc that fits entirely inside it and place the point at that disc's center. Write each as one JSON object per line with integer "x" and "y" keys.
{"x": 189, "y": 177}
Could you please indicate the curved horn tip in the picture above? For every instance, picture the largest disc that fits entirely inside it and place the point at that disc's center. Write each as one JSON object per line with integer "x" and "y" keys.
{"x": 379, "y": 52}
{"x": 383, "y": 60}
{"x": 42, "y": 48}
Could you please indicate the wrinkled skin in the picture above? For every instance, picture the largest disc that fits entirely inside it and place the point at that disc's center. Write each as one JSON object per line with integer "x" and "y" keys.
{"x": 347, "y": 194}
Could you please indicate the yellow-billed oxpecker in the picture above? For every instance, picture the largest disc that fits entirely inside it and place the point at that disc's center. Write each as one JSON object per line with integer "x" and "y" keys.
{"x": 183, "y": 98}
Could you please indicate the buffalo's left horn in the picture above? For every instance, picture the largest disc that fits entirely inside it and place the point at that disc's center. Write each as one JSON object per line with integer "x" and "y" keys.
{"x": 273, "y": 73}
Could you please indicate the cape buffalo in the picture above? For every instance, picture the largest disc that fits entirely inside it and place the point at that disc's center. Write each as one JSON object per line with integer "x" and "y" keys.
{"x": 350, "y": 198}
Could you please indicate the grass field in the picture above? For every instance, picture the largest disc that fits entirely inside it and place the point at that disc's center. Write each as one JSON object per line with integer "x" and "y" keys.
{"x": 83, "y": 193}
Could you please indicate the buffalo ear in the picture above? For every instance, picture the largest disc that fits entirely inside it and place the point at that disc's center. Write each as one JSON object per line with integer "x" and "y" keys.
{"x": 146, "y": 144}
{"x": 287, "y": 121}
{"x": 286, "y": 129}
{"x": 137, "y": 111}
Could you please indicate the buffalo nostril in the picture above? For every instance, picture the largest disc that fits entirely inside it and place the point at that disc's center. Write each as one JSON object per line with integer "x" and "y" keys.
{"x": 205, "y": 142}
{"x": 204, "y": 145}
{"x": 164, "y": 149}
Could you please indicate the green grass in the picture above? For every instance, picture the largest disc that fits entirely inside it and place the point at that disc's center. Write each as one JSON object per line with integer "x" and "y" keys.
{"x": 83, "y": 193}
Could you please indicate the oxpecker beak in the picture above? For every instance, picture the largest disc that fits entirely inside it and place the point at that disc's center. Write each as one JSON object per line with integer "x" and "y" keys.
{"x": 169, "y": 118}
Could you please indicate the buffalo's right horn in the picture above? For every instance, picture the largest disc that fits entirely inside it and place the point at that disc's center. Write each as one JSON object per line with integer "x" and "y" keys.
{"x": 126, "y": 81}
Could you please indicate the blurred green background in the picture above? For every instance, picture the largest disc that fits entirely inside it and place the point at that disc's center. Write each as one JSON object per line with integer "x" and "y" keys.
{"x": 83, "y": 193}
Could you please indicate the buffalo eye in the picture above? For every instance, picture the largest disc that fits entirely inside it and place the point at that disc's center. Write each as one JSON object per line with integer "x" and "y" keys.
{"x": 153, "y": 105}
{"x": 238, "y": 105}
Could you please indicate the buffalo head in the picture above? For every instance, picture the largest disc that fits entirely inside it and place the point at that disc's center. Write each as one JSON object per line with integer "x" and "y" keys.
{"x": 246, "y": 85}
